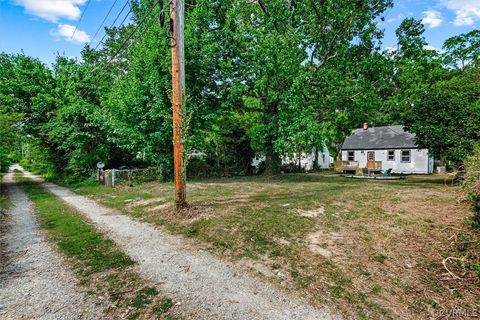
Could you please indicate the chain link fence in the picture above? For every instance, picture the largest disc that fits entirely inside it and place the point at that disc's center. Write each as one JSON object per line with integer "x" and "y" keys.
{"x": 116, "y": 177}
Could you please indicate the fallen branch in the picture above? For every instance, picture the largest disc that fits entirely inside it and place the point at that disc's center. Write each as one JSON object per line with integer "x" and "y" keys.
{"x": 444, "y": 262}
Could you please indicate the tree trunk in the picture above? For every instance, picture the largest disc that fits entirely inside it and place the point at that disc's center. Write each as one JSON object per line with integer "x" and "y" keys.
{"x": 338, "y": 148}
{"x": 273, "y": 162}
{"x": 315, "y": 166}
{"x": 299, "y": 160}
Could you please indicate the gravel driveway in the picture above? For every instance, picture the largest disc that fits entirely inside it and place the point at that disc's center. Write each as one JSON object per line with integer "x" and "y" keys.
{"x": 34, "y": 283}
{"x": 207, "y": 287}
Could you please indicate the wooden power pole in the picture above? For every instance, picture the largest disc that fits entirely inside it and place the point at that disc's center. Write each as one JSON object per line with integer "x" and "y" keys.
{"x": 177, "y": 10}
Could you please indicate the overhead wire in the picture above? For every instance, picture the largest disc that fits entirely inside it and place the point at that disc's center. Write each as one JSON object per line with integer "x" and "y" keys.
{"x": 124, "y": 45}
{"x": 103, "y": 22}
{"x": 80, "y": 20}
{"x": 135, "y": 29}
{"x": 115, "y": 21}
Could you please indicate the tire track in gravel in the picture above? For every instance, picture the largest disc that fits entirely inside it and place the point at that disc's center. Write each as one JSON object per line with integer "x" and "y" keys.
{"x": 34, "y": 283}
{"x": 206, "y": 286}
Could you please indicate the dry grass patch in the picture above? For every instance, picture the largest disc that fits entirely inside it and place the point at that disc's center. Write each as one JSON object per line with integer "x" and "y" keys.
{"x": 371, "y": 249}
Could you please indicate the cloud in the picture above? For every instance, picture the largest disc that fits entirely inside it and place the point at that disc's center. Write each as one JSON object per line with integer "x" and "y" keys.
{"x": 391, "y": 49}
{"x": 467, "y": 12}
{"x": 65, "y": 32}
{"x": 429, "y": 47}
{"x": 52, "y": 10}
{"x": 432, "y": 18}
{"x": 396, "y": 18}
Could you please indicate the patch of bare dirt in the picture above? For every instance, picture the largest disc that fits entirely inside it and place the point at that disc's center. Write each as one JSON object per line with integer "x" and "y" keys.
{"x": 241, "y": 199}
{"x": 186, "y": 215}
{"x": 160, "y": 207}
{"x": 312, "y": 213}
{"x": 145, "y": 202}
{"x": 260, "y": 267}
{"x": 282, "y": 241}
{"x": 325, "y": 243}
{"x": 197, "y": 210}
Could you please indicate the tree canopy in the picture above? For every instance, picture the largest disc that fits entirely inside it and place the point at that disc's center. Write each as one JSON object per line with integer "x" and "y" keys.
{"x": 272, "y": 78}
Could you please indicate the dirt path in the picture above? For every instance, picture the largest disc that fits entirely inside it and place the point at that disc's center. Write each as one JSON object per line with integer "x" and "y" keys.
{"x": 33, "y": 282}
{"x": 206, "y": 286}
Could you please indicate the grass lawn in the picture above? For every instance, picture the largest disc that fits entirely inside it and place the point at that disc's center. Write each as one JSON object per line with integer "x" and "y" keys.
{"x": 4, "y": 204}
{"x": 367, "y": 249}
{"x": 102, "y": 268}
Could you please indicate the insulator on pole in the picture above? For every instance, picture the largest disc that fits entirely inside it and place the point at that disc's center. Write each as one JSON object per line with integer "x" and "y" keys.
{"x": 162, "y": 18}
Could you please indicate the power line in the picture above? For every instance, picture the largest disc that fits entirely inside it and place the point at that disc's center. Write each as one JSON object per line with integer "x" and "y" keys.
{"x": 115, "y": 21}
{"x": 122, "y": 47}
{"x": 80, "y": 20}
{"x": 104, "y": 19}
{"x": 134, "y": 30}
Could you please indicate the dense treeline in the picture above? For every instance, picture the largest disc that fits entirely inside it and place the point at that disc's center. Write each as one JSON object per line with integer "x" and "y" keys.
{"x": 272, "y": 78}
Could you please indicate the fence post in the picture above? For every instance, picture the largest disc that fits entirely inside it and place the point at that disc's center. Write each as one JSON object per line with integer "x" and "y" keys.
{"x": 113, "y": 177}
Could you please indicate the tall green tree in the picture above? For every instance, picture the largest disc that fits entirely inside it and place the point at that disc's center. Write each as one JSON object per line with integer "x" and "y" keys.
{"x": 22, "y": 80}
{"x": 462, "y": 50}
{"x": 446, "y": 118}
{"x": 10, "y": 133}
{"x": 414, "y": 69}
{"x": 284, "y": 47}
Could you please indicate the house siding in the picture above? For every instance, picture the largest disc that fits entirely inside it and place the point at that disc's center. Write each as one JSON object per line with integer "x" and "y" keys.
{"x": 420, "y": 161}
{"x": 306, "y": 160}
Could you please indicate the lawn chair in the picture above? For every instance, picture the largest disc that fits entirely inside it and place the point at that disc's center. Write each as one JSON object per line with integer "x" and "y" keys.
{"x": 387, "y": 173}
{"x": 365, "y": 172}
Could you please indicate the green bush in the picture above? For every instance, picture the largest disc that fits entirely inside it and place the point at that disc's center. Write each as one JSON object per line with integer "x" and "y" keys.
{"x": 25, "y": 164}
{"x": 38, "y": 160}
{"x": 199, "y": 167}
{"x": 472, "y": 183}
{"x": 4, "y": 162}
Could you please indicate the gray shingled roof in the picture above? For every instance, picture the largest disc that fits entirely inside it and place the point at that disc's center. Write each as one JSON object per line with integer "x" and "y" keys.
{"x": 390, "y": 137}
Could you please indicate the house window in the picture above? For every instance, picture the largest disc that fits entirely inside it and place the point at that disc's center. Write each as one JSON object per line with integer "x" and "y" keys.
{"x": 405, "y": 155}
{"x": 351, "y": 156}
{"x": 391, "y": 155}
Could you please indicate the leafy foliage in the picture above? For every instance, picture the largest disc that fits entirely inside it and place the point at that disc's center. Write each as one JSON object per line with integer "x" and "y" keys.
{"x": 10, "y": 134}
{"x": 273, "y": 78}
{"x": 472, "y": 183}
{"x": 463, "y": 50}
{"x": 447, "y": 116}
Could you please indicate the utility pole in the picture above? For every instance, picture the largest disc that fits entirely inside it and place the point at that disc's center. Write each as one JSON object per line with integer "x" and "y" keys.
{"x": 177, "y": 10}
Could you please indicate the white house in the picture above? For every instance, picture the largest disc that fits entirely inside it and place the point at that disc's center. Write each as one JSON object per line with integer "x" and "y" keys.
{"x": 394, "y": 147}
{"x": 306, "y": 160}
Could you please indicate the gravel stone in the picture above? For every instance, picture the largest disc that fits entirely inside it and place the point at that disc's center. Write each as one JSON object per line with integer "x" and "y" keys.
{"x": 34, "y": 282}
